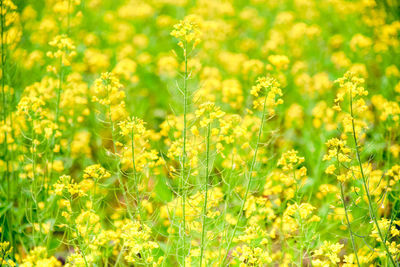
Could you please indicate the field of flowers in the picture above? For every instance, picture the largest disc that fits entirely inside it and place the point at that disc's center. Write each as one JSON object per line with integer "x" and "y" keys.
{"x": 200, "y": 133}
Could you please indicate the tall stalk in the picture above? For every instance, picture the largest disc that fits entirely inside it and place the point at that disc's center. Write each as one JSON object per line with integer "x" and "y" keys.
{"x": 348, "y": 222}
{"x": 58, "y": 99}
{"x": 346, "y": 213}
{"x": 226, "y": 204}
{"x": 6, "y": 175}
{"x": 135, "y": 180}
{"x": 3, "y": 73}
{"x": 203, "y": 231}
{"x": 184, "y": 177}
{"x": 253, "y": 163}
{"x": 371, "y": 209}
{"x": 57, "y": 115}
{"x": 120, "y": 182}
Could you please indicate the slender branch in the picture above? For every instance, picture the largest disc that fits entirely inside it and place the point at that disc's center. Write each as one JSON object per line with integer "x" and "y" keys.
{"x": 371, "y": 210}
{"x": 7, "y": 171}
{"x": 253, "y": 163}
{"x": 205, "y": 194}
{"x": 346, "y": 212}
{"x": 349, "y": 224}
{"x": 184, "y": 177}
{"x": 135, "y": 176}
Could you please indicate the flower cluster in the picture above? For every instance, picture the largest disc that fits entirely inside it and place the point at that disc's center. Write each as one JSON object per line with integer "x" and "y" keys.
{"x": 136, "y": 240}
{"x": 107, "y": 90}
{"x": 289, "y": 160}
{"x": 132, "y": 127}
{"x": 351, "y": 86}
{"x": 95, "y": 172}
{"x": 188, "y": 31}
{"x": 65, "y": 51}
{"x": 267, "y": 92}
{"x": 208, "y": 112}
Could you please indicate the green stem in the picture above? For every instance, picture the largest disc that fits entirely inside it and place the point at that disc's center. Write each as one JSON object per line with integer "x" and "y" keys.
{"x": 205, "y": 194}
{"x": 68, "y": 16}
{"x": 348, "y": 224}
{"x": 371, "y": 210}
{"x": 346, "y": 213}
{"x": 6, "y": 175}
{"x": 120, "y": 182}
{"x": 136, "y": 182}
{"x": 79, "y": 243}
{"x": 34, "y": 180}
{"x": 183, "y": 161}
{"x": 250, "y": 174}
{"x": 228, "y": 194}
{"x": 119, "y": 256}
{"x": 58, "y": 99}
{"x": 56, "y": 119}
{"x": 301, "y": 243}
{"x": 121, "y": 185}
{"x": 391, "y": 220}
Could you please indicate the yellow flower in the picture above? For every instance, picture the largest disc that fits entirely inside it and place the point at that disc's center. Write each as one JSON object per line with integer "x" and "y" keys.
{"x": 188, "y": 31}
{"x": 330, "y": 251}
{"x": 279, "y": 61}
{"x": 132, "y": 126}
{"x": 107, "y": 90}
{"x": 267, "y": 90}
{"x": 305, "y": 209}
{"x": 330, "y": 169}
{"x": 337, "y": 149}
{"x": 95, "y": 172}
{"x": 289, "y": 160}
{"x": 350, "y": 85}
{"x": 65, "y": 50}
{"x": 208, "y": 112}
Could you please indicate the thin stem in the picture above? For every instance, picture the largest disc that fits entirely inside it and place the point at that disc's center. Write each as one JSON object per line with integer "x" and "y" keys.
{"x": 135, "y": 175}
{"x": 371, "y": 210}
{"x": 59, "y": 89}
{"x": 6, "y": 175}
{"x": 391, "y": 220}
{"x": 53, "y": 139}
{"x": 228, "y": 194}
{"x": 301, "y": 242}
{"x": 348, "y": 224}
{"x": 253, "y": 163}
{"x": 205, "y": 194}
{"x": 346, "y": 213}
{"x": 34, "y": 180}
{"x": 68, "y": 16}
{"x": 119, "y": 256}
{"x": 183, "y": 161}
{"x": 3, "y": 62}
{"x": 79, "y": 246}
{"x": 120, "y": 182}
{"x": 121, "y": 185}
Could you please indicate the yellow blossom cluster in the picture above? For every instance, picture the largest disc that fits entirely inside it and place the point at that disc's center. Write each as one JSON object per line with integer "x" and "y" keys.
{"x": 64, "y": 53}
{"x": 267, "y": 92}
{"x": 188, "y": 31}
